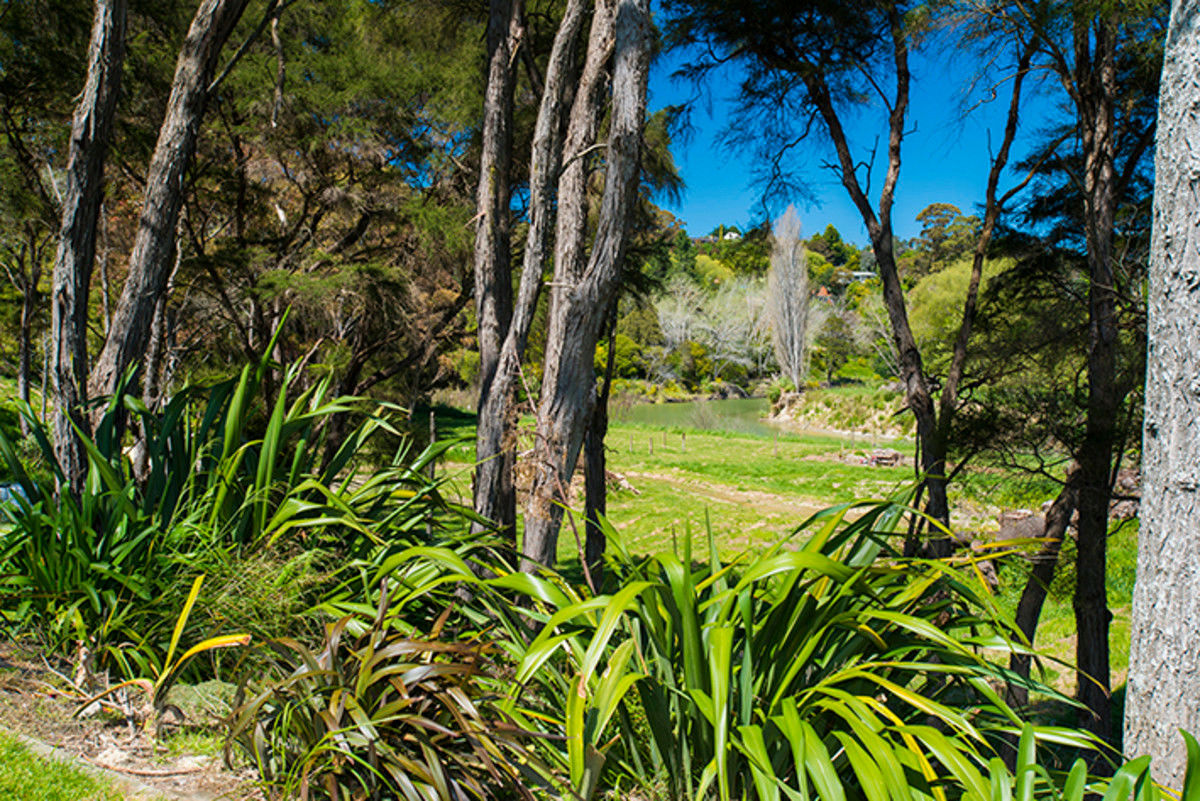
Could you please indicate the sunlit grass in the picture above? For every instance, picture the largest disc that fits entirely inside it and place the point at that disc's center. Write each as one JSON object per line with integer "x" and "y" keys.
{"x": 26, "y": 776}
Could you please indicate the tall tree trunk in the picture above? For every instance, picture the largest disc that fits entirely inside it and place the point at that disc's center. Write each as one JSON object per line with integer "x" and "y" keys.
{"x": 595, "y": 468}
{"x": 1163, "y": 693}
{"x": 931, "y": 444}
{"x": 495, "y": 442}
{"x": 91, "y": 130}
{"x": 579, "y": 308}
{"x": 1096, "y": 78}
{"x": 154, "y": 244}
{"x": 1045, "y": 561}
{"x": 494, "y": 496}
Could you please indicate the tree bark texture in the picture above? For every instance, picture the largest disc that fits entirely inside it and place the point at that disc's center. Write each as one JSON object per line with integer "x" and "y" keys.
{"x": 151, "y": 259}
{"x": 91, "y": 131}
{"x": 495, "y": 439}
{"x": 580, "y": 304}
{"x": 1163, "y": 692}
{"x": 1045, "y": 562}
{"x": 1095, "y": 65}
{"x": 493, "y": 491}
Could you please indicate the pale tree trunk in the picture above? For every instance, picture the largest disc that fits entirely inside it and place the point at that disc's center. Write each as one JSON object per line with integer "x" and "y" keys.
{"x": 493, "y": 272}
{"x": 91, "y": 131}
{"x": 1163, "y": 692}
{"x": 150, "y": 260}
{"x": 579, "y": 307}
{"x": 495, "y": 440}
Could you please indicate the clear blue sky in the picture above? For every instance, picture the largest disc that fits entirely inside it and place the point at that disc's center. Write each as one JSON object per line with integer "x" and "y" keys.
{"x": 945, "y": 157}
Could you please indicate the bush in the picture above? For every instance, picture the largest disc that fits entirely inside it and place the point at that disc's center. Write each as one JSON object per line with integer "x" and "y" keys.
{"x": 383, "y": 712}
{"x": 835, "y": 667}
{"x": 101, "y": 570}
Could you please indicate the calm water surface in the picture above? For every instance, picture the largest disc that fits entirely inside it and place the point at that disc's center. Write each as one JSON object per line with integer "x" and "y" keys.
{"x": 742, "y": 415}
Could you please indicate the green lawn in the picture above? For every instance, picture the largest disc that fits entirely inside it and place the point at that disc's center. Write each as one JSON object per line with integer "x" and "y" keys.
{"x": 29, "y": 777}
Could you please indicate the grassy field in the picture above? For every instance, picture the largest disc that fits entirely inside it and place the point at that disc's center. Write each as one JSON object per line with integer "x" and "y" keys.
{"x": 752, "y": 490}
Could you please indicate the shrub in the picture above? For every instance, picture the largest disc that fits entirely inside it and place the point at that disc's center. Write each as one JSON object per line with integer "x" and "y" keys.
{"x": 380, "y": 712}
{"x": 95, "y": 570}
{"x": 834, "y": 667}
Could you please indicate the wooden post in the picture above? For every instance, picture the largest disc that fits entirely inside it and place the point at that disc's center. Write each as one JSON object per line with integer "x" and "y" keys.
{"x": 683, "y": 442}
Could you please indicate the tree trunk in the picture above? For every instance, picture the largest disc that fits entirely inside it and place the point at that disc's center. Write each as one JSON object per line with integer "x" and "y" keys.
{"x": 1096, "y": 79}
{"x": 495, "y": 441}
{"x": 154, "y": 244}
{"x": 931, "y": 444}
{"x": 1163, "y": 692}
{"x": 595, "y": 468}
{"x": 31, "y": 254}
{"x": 579, "y": 308}
{"x": 494, "y": 496}
{"x": 91, "y": 130}
{"x": 1045, "y": 561}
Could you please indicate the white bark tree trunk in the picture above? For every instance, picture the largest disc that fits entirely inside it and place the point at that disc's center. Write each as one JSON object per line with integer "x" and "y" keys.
{"x": 1163, "y": 693}
{"x": 582, "y": 297}
{"x": 788, "y": 296}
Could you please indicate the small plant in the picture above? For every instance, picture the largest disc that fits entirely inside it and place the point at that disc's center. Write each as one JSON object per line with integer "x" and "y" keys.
{"x": 156, "y": 691}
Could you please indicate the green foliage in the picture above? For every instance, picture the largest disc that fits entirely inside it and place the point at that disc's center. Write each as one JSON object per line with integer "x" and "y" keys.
{"x": 711, "y": 273}
{"x": 691, "y": 362}
{"x": 816, "y": 670}
{"x": 833, "y": 249}
{"x": 627, "y": 359}
{"x": 935, "y": 307}
{"x": 377, "y": 711}
{"x": 99, "y": 569}
{"x": 165, "y": 670}
{"x": 946, "y": 236}
{"x": 641, "y": 326}
{"x": 835, "y": 345}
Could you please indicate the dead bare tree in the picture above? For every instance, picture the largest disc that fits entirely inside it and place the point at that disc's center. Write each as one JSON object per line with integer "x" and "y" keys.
{"x": 787, "y": 298}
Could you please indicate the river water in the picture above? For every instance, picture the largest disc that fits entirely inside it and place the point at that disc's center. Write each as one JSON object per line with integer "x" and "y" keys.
{"x": 741, "y": 415}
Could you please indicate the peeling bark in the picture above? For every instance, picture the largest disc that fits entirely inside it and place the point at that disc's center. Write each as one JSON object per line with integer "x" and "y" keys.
{"x": 154, "y": 244}
{"x": 580, "y": 302}
{"x": 495, "y": 441}
{"x": 493, "y": 272}
{"x": 91, "y": 131}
